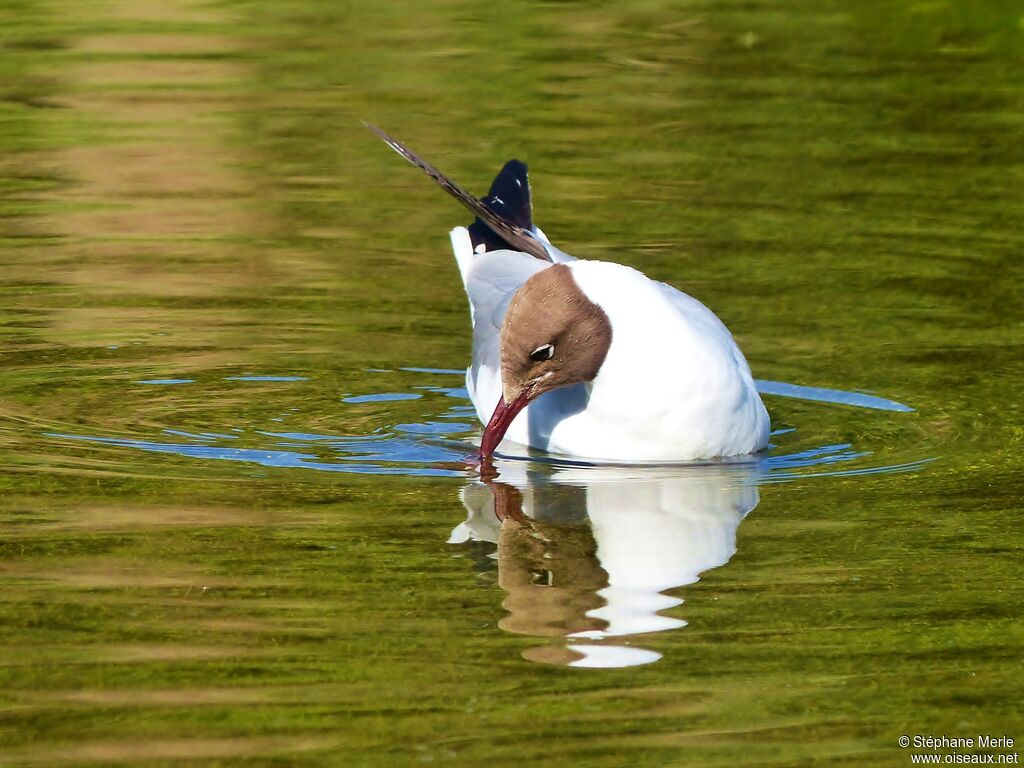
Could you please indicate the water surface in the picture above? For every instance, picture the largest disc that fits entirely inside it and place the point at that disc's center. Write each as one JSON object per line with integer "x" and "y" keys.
{"x": 235, "y": 523}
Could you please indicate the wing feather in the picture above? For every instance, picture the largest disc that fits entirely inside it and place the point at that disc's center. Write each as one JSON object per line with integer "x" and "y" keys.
{"x": 519, "y": 238}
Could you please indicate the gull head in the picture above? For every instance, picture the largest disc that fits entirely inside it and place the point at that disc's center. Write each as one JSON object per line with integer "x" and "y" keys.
{"x": 552, "y": 336}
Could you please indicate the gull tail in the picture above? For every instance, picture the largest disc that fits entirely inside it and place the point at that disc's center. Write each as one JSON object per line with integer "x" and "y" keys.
{"x": 509, "y": 219}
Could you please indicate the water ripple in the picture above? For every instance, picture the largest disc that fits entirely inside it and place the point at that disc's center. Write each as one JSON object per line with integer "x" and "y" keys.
{"x": 439, "y": 445}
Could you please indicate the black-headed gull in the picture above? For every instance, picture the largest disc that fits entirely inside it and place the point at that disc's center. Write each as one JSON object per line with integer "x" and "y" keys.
{"x": 590, "y": 359}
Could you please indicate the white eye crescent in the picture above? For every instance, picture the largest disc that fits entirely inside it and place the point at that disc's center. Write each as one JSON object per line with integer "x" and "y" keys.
{"x": 543, "y": 352}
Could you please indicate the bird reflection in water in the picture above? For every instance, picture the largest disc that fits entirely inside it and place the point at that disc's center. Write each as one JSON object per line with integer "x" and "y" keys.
{"x": 586, "y": 553}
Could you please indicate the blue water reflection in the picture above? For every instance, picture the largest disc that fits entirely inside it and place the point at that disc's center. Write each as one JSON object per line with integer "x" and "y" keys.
{"x": 439, "y": 444}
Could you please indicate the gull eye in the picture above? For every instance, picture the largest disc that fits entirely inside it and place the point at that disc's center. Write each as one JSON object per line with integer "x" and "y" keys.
{"x": 543, "y": 352}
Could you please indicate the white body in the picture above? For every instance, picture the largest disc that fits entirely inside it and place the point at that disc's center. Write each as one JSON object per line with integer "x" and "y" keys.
{"x": 674, "y": 385}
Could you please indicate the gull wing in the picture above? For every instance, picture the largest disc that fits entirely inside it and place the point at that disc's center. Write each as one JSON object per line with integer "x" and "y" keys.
{"x": 518, "y": 237}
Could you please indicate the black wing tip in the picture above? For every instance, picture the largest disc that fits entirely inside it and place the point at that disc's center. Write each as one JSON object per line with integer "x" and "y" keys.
{"x": 512, "y": 218}
{"x": 514, "y": 166}
{"x": 482, "y": 235}
{"x": 509, "y": 199}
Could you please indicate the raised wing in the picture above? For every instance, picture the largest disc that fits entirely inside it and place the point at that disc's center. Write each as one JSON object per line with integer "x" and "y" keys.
{"x": 519, "y": 238}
